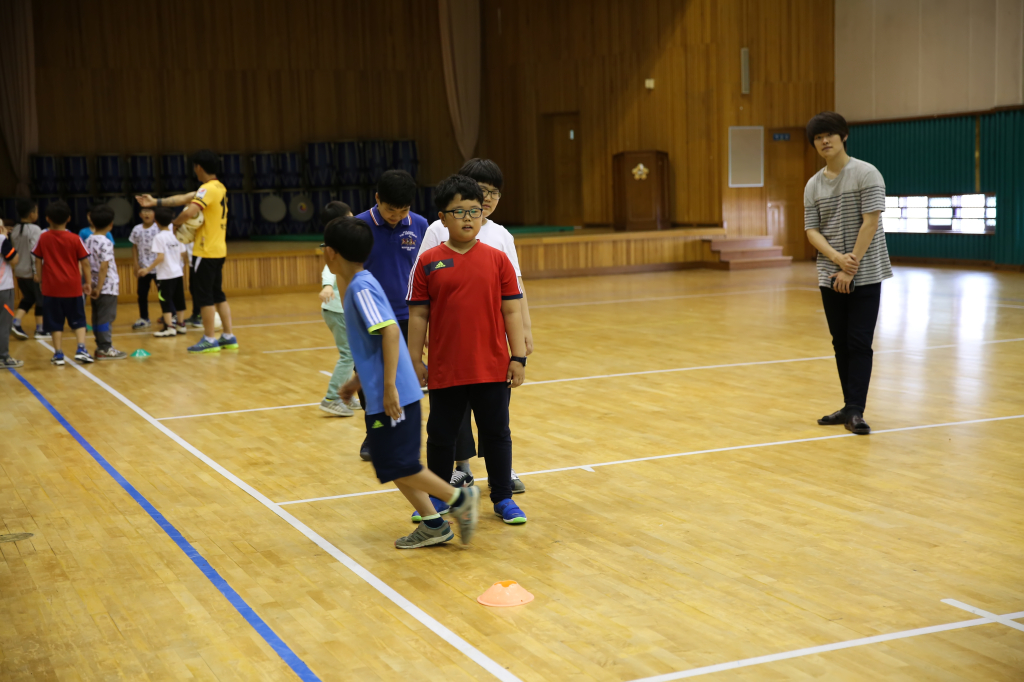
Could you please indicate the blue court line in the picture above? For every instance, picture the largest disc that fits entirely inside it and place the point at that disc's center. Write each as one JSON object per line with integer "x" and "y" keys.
{"x": 269, "y": 636}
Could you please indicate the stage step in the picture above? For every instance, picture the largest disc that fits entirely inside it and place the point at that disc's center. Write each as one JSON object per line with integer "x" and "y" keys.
{"x": 749, "y": 253}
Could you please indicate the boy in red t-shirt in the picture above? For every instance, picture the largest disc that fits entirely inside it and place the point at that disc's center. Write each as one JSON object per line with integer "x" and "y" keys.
{"x": 469, "y": 294}
{"x": 65, "y": 266}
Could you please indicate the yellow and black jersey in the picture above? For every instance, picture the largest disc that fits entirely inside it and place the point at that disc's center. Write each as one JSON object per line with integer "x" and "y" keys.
{"x": 211, "y": 237}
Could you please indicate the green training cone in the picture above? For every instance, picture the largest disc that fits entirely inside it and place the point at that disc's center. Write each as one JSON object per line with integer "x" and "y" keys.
{"x": 140, "y": 353}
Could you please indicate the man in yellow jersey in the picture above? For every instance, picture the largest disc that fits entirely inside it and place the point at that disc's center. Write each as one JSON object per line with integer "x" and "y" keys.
{"x": 210, "y": 247}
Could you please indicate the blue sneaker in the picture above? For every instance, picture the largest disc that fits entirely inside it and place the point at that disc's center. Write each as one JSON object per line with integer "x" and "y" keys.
{"x": 205, "y": 346}
{"x": 439, "y": 507}
{"x": 510, "y": 512}
{"x": 228, "y": 342}
{"x": 57, "y": 359}
{"x": 82, "y": 355}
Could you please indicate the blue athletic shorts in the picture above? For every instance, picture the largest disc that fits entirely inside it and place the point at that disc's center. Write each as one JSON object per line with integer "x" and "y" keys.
{"x": 395, "y": 446}
{"x": 56, "y": 310}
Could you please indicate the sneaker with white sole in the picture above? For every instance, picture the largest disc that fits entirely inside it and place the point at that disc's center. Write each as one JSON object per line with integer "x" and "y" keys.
{"x": 40, "y": 335}
{"x": 335, "y": 407}
{"x": 166, "y": 332}
{"x": 57, "y": 359}
{"x": 19, "y": 332}
{"x": 10, "y": 363}
{"x": 467, "y": 513}
{"x": 141, "y": 324}
{"x": 196, "y": 321}
{"x": 111, "y": 354}
{"x": 425, "y": 536}
{"x": 517, "y": 485}
{"x": 181, "y": 328}
{"x": 354, "y": 404}
{"x": 461, "y": 479}
{"x": 82, "y": 355}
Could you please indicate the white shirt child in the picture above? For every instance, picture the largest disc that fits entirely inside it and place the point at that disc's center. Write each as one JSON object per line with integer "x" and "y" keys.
{"x": 166, "y": 243}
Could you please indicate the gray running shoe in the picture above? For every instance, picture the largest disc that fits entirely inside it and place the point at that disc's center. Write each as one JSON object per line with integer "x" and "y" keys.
{"x": 8, "y": 361}
{"x": 335, "y": 407}
{"x": 354, "y": 404}
{"x": 461, "y": 479}
{"x": 517, "y": 485}
{"x": 467, "y": 513}
{"x": 424, "y": 536}
{"x": 112, "y": 354}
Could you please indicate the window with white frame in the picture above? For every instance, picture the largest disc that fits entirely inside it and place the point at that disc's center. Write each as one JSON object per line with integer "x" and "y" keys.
{"x": 941, "y": 213}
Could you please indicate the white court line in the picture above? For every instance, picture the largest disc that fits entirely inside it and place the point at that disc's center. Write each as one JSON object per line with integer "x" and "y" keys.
{"x": 255, "y": 409}
{"x": 667, "y": 298}
{"x": 825, "y": 648}
{"x": 985, "y": 614}
{"x": 233, "y": 327}
{"x": 752, "y": 446}
{"x": 433, "y": 625}
{"x": 296, "y": 350}
{"x": 1007, "y": 305}
{"x": 326, "y": 373}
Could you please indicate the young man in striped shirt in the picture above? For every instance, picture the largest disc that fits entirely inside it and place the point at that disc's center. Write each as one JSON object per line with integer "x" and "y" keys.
{"x": 843, "y": 204}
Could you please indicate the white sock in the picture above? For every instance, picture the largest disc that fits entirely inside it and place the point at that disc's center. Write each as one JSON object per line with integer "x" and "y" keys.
{"x": 208, "y": 338}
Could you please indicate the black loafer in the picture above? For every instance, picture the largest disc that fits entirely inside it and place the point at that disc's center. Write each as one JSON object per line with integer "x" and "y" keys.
{"x": 857, "y": 424}
{"x": 835, "y": 419}
{"x": 364, "y": 451}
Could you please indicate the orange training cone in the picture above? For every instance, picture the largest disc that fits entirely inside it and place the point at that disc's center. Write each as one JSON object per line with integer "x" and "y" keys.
{"x": 505, "y": 593}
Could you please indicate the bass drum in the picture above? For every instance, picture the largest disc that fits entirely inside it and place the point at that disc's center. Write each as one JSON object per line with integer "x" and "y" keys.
{"x": 300, "y": 207}
{"x": 272, "y": 208}
{"x": 122, "y": 210}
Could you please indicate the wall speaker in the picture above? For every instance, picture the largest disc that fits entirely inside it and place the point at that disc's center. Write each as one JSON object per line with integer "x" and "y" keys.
{"x": 744, "y": 71}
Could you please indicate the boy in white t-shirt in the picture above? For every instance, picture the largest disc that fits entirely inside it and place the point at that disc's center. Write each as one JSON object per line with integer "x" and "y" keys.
{"x": 489, "y": 177}
{"x": 106, "y": 284}
{"x": 168, "y": 262}
{"x": 142, "y": 237}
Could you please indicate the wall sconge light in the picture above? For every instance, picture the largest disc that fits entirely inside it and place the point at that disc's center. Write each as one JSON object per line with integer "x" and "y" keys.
{"x": 649, "y": 83}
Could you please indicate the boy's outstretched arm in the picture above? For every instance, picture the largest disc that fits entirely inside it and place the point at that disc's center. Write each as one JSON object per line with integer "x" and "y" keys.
{"x": 391, "y": 336}
{"x": 512, "y": 312}
{"x": 418, "y": 317}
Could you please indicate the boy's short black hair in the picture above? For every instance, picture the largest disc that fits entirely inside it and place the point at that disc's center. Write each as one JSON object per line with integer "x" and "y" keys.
{"x": 163, "y": 215}
{"x": 456, "y": 186}
{"x": 396, "y": 188}
{"x": 829, "y": 123}
{"x": 25, "y": 206}
{"x": 350, "y": 237}
{"x": 58, "y": 212}
{"x": 332, "y": 210}
{"x": 102, "y": 216}
{"x": 483, "y": 170}
{"x": 207, "y": 160}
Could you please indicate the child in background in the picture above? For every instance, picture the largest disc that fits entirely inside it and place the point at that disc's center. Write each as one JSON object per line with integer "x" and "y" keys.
{"x": 142, "y": 237}
{"x": 386, "y": 375}
{"x": 63, "y": 263}
{"x": 168, "y": 257}
{"x": 105, "y": 282}
{"x": 87, "y": 232}
{"x": 25, "y": 236}
{"x": 334, "y": 316}
{"x": 8, "y": 262}
{"x": 468, "y": 293}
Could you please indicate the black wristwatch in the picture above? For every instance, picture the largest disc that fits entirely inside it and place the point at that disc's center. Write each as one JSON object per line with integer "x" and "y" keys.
{"x": 521, "y": 361}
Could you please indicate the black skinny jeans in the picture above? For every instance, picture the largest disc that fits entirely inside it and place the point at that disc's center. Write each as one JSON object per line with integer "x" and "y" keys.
{"x": 851, "y": 320}
{"x": 144, "y": 284}
{"x": 489, "y": 403}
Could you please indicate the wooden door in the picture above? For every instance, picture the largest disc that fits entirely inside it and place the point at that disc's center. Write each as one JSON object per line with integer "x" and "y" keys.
{"x": 561, "y": 169}
{"x": 789, "y": 163}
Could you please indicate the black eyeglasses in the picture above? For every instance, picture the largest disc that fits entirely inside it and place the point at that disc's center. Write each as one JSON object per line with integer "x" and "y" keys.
{"x": 492, "y": 193}
{"x": 460, "y": 213}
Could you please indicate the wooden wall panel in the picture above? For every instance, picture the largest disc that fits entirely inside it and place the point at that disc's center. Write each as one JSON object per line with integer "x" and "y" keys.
{"x": 593, "y": 56}
{"x": 240, "y": 75}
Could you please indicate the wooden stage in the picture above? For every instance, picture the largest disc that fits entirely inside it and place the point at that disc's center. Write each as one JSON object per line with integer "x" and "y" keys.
{"x": 687, "y": 517}
{"x": 256, "y": 268}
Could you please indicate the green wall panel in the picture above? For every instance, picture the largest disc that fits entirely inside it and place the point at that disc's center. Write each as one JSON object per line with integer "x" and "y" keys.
{"x": 944, "y": 246}
{"x": 1002, "y": 152}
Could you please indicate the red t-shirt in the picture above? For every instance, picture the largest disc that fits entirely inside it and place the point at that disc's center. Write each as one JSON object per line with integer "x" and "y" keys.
{"x": 61, "y": 252}
{"x": 467, "y": 329}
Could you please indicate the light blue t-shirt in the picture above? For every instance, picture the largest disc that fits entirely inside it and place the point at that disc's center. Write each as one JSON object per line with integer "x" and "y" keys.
{"x": 86, "y": 232}
{"x": 367, "y": 311}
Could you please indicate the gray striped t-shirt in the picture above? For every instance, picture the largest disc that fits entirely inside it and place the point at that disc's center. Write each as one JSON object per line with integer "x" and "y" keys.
{"x": 836, "y": 208}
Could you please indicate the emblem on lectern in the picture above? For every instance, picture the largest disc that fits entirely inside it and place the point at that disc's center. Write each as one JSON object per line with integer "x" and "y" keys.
{"x": 640, "y": 172}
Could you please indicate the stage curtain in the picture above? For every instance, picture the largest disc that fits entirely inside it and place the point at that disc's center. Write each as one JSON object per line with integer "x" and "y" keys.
{"x": 18, "y": 122}
{"x": 460, "y": 51}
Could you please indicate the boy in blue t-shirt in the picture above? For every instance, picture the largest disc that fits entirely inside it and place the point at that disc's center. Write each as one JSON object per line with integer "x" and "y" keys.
{"x": 391, "y": 388}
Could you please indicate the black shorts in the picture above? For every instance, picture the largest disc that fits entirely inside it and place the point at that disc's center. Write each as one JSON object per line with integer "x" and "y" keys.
{"x": 395, "y": 448}
{"x": 207, "y": 283}
{"x": 172, "y": 294}
{"x": 56, "y": 310}
{"x": 30, "y": 295}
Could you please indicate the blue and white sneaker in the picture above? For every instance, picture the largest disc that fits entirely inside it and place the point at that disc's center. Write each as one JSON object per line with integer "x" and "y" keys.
{"x": 228, "y": 342}
{"x": 205, "y": 346}
{"x": 82, "y": 355}
{"x": 439, "y": 507}
{"x": 57, "y": 359}
{"x": 510, "y": 512}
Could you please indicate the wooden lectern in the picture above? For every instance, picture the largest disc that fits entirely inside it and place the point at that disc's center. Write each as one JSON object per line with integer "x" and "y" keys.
{"x": 640, "y": 184}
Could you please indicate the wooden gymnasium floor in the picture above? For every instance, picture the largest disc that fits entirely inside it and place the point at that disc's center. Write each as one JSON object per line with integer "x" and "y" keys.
{"x": 686, "y": 512}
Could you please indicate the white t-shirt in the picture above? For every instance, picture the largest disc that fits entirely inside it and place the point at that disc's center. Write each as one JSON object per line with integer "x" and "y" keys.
{"x": 491, "y": 233}
{"x": 143, "y": 237}
{"x": 100, "y": 249}
{"x": 166, "y": 243}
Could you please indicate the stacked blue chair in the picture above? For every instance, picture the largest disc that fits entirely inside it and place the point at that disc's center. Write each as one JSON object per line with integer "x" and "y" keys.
{"x": 349, "y": 160}
{"x": 290, "y": 167}
{"x": 79, "y": 207}
{"x": 140, "y": 173}
{"x": 377, "y": 158}
{"x": 320, "y": 198}
{"x": 10, "y": 209}
{"x": 321, "y": 164}
{"x": 404, "y": 156}
{"x": 44, "y": 174}
{"x": 239, "y": 215}
{"x": 355, "y": 197}
{"x": 42, "y": 202}
{"x": 110, "y": 171}
{"x": 174, "y": 172}
{"x": 265, "y": 171}
{"x": 426, "y": 201}
{"x": 76, "y": 174}
{"x": 231, "y": 172}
